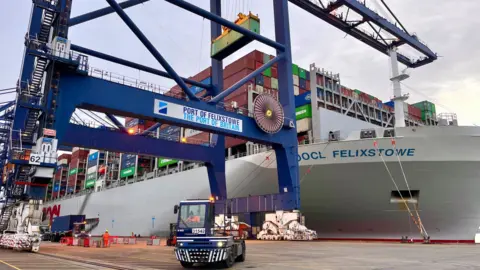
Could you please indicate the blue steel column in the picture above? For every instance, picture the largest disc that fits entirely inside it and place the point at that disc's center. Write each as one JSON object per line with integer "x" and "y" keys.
{"x": 287, "y": 164}
{"x": 216, "y": 171}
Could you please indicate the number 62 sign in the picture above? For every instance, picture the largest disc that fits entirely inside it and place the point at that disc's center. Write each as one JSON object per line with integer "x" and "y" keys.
{"x": 35, "y": 159}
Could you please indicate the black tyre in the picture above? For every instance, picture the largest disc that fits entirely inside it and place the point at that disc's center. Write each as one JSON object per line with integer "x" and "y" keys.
{"x": 229, "y": 261}
{"x": 186, "y": 264}
{"x": 241, "y": 258}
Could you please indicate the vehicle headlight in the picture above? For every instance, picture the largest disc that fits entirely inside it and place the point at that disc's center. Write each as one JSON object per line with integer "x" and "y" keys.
{"x": 181, "y": 244}
{"x": 220, "y": 244}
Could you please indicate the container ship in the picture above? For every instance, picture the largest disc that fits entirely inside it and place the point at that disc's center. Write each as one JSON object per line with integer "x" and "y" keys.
{"x": 368, "y": 169}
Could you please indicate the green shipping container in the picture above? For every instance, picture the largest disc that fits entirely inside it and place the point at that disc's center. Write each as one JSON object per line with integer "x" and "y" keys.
{"x": 304, "y": 111}
{"x": 127, "y": 172}
{"x": 295, "y": 69}
{"x": 268, "y": 72}
{"x": 232, "y": 37}
{"x": 89, "y": 183}
{"x": 164, "y": 162}
{"x": 302, "y": 73}
{"x": 357, "y": 91}
{"x": 427, "y": 115}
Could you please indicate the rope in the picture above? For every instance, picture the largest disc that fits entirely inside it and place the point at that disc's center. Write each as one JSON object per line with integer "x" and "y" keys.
{"x": 408, "y": 188}
{"x": 396, "y": 187}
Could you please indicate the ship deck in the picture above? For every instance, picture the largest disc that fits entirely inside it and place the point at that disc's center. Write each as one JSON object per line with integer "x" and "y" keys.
{"x": 260, "y": 255}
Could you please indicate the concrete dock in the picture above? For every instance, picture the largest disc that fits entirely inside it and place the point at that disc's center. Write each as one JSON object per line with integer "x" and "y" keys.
{"x": 260, "y": 255}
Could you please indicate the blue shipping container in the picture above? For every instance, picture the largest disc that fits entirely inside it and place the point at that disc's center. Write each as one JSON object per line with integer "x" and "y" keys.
{"x": 302, "y": 99}
{"x": 302, "y": 83}
{"x": 259, "y": 80}
{"x": 65, "y": 223}
{"x": 196, "y": 89}
{"x": 390, "y": 104}
{"x": 307, "y": 74}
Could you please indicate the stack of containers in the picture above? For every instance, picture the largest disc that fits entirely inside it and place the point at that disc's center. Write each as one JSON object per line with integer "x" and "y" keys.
{"x": 303, "y": 81}
{"x": 414, "y": 112}
{"x": 427, "y": 108}
{"x": 76, "y": 170}
{"x": 138, "y": 125}
{"x": 61, "y": 174}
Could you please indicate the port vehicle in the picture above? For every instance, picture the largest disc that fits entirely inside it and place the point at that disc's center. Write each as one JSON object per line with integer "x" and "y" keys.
{"x": 199, "y": 242}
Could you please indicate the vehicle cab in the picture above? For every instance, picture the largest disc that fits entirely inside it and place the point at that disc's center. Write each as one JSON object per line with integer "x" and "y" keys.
{"x": 195, "y": 218}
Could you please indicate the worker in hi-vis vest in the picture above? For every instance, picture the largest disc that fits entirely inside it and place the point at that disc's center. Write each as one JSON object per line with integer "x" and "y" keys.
{"x": 105, "y": 238}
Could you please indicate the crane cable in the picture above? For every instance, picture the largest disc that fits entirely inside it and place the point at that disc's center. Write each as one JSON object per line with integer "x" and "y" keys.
{"x": 408, "y": 188}
{"x": 375, "y": 143}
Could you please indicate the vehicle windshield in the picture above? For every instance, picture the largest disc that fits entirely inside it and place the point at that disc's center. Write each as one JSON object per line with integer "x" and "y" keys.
{"x": 192, "y": 216}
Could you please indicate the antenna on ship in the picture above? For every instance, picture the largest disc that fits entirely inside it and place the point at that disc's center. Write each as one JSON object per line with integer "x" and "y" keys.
{"x": 398, "y": 98}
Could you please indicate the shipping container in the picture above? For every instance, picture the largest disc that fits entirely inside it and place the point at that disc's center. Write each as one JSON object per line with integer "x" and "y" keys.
{"x": 238, "y": 65}
{"x": 242, "y": 90}
{"x": 232, "y": 142}
{"x": 302, "y": 83}
{"x": 295, "y": 69}
{"x": 267, "y": 82}
{"x": 266, "y": 58}
{"x": 302, "y": 99}
{"x": 259, "y": 79}
{"x": 304, "y": 125}
{"x": 295, "y": 80}
{"x": 199, "y": 139}
{"x": 302, "y": 91}
{"x": 274, "y": 72}
{"x": 267, "y": 72}
{"x": 258, "y": 65}
{"x": 308, "y": 85}
{"x": 274, "y": 83}
{"x": 65, "y": 223}
{"x": 259, "y": 89}
{"x": 296, "y": 90}
{"x": 234, "y": 78}
{"x": 241, "y": 100}
{"x": 302, "y": 73}
{"x": 426, "y": 106}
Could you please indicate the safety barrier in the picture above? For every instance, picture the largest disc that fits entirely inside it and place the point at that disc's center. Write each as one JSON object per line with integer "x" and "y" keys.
{"x": 153, "y": 242}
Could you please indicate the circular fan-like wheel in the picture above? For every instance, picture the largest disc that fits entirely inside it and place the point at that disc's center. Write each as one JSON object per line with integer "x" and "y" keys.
{"x": 268, "y": 113}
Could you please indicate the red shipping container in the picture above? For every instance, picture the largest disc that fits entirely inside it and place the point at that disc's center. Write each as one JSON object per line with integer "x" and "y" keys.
{"x": 267, "y": 82}
{"x": 238, "y": 65}
{"x": 258, "y": 65}
{"x": 258, "y": 56}
{"x": 242, "y": 101}
{"x": 301, "y": 91}
{"x": 274, "y": 72}
{"x": 231, "y": 142}
{"x": 308, "y": 85}
{"x": 198, "y": 139}
{"x": 203, "y": 75}
{"x": 228, "y": 82}
{"x": 243, "y": 90}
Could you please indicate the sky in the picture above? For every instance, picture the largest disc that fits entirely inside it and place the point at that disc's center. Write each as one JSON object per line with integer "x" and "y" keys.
{"x": 183, "y": 39}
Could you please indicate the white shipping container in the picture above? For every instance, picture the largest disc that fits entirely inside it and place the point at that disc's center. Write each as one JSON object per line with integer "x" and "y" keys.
{"x": 295, "y": 80}
{"x": 259, "y": 89}
{"x": 304, "y": 124}
{"x": 296, "y": 90}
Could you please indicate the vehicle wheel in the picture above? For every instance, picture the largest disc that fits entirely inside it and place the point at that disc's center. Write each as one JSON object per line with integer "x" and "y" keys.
{"x": 230, "y": 260}
{"x": 242, "y": 257}
{"x": 186, "y": 264}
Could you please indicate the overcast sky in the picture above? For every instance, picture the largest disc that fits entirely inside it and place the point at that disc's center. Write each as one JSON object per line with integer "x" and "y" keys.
{"x": 452, "y": 82}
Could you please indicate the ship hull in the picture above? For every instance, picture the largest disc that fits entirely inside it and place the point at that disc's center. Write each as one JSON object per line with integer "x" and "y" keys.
{"x": 346, "y": 189}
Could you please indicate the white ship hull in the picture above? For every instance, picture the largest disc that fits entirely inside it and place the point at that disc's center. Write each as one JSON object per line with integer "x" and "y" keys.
{"x": 346, "y": 190}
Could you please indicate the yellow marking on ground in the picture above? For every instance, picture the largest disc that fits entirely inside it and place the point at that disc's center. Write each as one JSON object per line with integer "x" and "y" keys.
{"x": 12, "y": 266}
